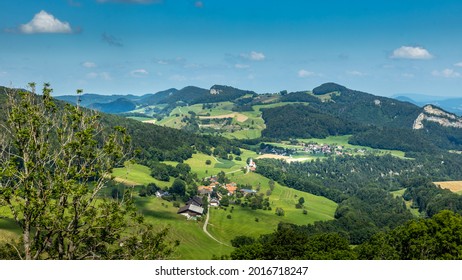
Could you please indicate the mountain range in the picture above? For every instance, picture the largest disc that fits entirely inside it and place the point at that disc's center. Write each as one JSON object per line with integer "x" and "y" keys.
{"x": 450, "y": 104}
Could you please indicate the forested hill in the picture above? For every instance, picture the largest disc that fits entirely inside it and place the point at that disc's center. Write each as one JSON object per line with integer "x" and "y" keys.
{"x": 366, "y": 108}
{"x": 329, "y": 109}
{"x": 153, "y": 142}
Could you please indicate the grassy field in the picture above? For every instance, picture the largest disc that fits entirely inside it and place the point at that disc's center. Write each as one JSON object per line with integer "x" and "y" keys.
{"x": 195, "y": 244}
{"x": 250, "y": 124}
{"x": 243, "y": 220}
{"x": 400, "y": 193}
{"x": 137, "y": 174}
{"x": 8, "y": 227}
{"x": 197, "y": 163}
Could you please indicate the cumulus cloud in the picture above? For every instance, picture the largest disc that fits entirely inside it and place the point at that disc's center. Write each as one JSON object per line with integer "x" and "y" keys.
{"x": 447, "y": 73}
{"x": 89, "y": 64}
{"x": 44, "y": 22}
{"x": 111, "y": 40}
{"x": 253, "y": 55}
{"x": 139, "y": 73}
{"x": 305, "y": 74}
{"x": 458, "y": 64}
{"x": 409, "y": 52}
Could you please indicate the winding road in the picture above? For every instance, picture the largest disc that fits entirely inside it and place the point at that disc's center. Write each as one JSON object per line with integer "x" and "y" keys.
{"x": 204, "y": 228}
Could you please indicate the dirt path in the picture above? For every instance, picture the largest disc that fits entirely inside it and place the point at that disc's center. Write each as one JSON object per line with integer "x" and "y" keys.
{"x": 204, "y": 228}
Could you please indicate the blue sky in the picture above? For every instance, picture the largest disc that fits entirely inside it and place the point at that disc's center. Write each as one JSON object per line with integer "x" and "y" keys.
{"x": 144, "y": 46}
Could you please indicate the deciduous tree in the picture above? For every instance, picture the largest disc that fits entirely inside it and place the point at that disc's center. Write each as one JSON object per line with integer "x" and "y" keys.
{"x": 54, "y": 163}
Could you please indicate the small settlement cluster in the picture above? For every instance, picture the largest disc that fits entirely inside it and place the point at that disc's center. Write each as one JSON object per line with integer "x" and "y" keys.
{"x": 194, "y": 207}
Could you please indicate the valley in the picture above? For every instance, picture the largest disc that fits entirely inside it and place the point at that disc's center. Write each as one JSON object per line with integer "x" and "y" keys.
{"x": 243, "y": 219}
{"x": 328, "y": 161}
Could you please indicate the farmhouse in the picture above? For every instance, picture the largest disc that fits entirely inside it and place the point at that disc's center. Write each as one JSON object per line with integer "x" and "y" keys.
{"x": 231, "y": 188}
{"x": 195, "y": 201}
{"x": 204, "y": 190}
{"x": 161, "y": 193}
{"x": 252, "y": 166}
{"x": 191, "y": 210}
{"x": 214, "y": 202}
{"x": 247, "y": 191}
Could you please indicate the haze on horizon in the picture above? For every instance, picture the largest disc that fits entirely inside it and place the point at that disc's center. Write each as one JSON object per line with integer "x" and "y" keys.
{"x": 145, "y": 46}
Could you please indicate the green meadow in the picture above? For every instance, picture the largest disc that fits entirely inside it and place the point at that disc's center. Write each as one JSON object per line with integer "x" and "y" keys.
{"x": 245, "y": 221}
{"x": 195, "y": 244}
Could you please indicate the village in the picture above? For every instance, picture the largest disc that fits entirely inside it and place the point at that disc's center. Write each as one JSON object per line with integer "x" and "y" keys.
{"x": 216, "y": 191}
{"x": 311, "y": 148}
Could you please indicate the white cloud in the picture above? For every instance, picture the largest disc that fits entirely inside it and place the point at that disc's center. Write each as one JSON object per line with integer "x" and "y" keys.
{"x": 241, "y": 66}
{"x": 89, "y": 64}
{"x": 44, "y": 22}
{"x": 254, "y": 56}
{"x": 139, "y": 73}
{"x": 458, "y": 64}
{"x": 101, "y": 75}
{"x": 257, "y": 56}
{"x": 447, "y": 73}
{"x": 408, "y": 52}
{"x": 305, "y": 74}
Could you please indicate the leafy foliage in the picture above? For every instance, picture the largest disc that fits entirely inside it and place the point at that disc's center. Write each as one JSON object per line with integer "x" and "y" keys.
{"x": 54, "y": 167}
{"x": 301, "y": 121}
{"x": 290, "y": 243}
{"x": 439, "y": 237}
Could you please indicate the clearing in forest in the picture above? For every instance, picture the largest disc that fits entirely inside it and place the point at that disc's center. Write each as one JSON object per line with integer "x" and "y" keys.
{"x": 239, "y": 117}
{"x": 454, "y": 186}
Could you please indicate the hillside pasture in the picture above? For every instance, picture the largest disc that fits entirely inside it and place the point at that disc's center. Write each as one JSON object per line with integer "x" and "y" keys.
{"x": 194, "y": 243}
{"x": 245, "y": 221}
{"x": 237, "y": 116}
{"x": 137, "y": 174}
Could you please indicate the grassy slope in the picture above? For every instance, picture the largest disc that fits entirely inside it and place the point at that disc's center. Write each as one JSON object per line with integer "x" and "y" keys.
{"x": 243, "y": 219}
{"x": 137, "y": 174}
{"x": 250, "y": 129}
{"x": 195, "y": 244}
{"x": 8, "y": 228}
